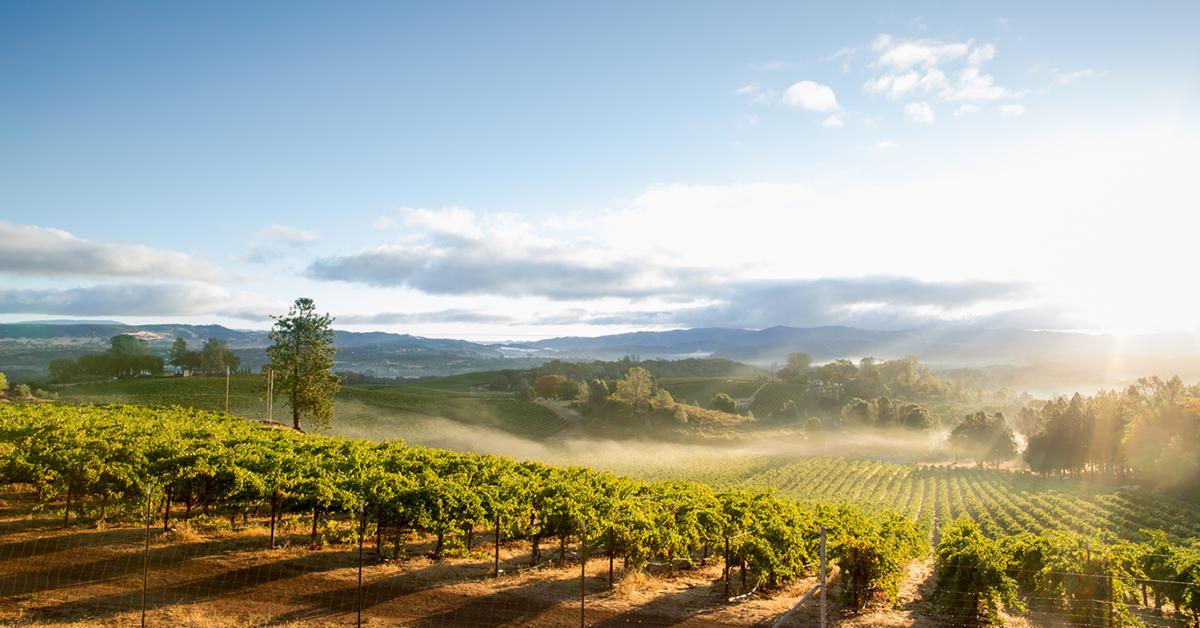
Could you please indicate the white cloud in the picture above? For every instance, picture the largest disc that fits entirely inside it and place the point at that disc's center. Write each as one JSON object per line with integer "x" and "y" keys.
{"x": 896, "y": 85}
{"x": 1012, "y": 110}
{"x": 920, "y": 112}
{"x": 922, "y": 66}
{"x": 33, "y": 250}
{"x": 923, "y": 53}
{"x": 885, "y": 146}
{"x": 812, "y": 96}
{"x": 980, "y": 54}
{"x": 971, "y": 84}
{"x": 287, "y": 235}
{"x": 966, "y": 109}
{"x": 835, "y": 121}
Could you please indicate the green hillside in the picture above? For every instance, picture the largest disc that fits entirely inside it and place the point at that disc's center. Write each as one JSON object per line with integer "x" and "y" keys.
{"x": 383, "y": 410}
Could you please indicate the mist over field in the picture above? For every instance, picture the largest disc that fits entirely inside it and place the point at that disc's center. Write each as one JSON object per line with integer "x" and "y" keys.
{"x": 635, "y": 455}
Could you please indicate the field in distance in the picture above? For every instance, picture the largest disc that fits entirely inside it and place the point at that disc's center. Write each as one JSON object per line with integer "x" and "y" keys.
{"x": 378, "y": 411}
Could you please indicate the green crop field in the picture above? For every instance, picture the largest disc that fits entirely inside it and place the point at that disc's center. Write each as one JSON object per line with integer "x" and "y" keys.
{"x": 770, "y": 398}
{"x": 1001, "y": 501}
{"x": 394, "y": 411}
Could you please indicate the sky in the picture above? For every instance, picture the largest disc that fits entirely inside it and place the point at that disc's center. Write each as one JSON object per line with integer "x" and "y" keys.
{"x": 525, "y": 170}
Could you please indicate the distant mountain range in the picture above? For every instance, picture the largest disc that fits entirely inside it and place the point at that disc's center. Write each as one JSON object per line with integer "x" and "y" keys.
{"x": 28, "y": 346}
{"x": 947, "y": 345}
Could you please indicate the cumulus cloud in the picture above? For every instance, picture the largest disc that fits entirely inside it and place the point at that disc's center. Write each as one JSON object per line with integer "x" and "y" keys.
{"x": 925, "y": 66}
{"x": 154, "y": 299}
{"x": 966, "y": 109}
{"x": 919, "y": 112}
{"x": 1012, "y": 110}
{"x": 33, "y": 250}
{"x": 812, "y": 96}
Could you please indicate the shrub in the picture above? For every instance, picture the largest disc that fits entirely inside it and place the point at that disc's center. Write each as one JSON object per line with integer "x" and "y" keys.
{"x": 724, "y": 403}
{"x": 971, "y": 578}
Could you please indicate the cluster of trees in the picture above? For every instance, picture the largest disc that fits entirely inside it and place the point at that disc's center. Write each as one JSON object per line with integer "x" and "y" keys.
{"x": 1149, "y": 432}
{"x": 831, "y": 385}
{"x": 213, "y": 358}
{"x": 613, "y": 370}
{"x": 1097, "y": 584}
{"x": 553, "y": 387}
{"x": 127, "y": 356}
{"x": 96, "y": 461}
{"x": 985, "y": 438}
{"x": 883, "y": 412}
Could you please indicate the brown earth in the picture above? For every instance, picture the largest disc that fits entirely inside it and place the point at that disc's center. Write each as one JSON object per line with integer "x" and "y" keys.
{"x": 91, "y": 575}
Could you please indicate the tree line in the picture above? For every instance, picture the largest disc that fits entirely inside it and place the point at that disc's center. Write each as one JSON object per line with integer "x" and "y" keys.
{"x": 1149, "y": 432}
{"x": 127, "y": 357}
{"x": 213, "y": 358}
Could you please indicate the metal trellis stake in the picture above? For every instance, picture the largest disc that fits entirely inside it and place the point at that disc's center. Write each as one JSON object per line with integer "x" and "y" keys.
{"x": 582, "y": 570}
{"x": 824, "y": 606}
{"x": 362, "y": 530}
{"x": 146, "y": 556}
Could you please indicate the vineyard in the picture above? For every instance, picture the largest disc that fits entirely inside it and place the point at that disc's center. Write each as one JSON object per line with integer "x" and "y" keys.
{"x": 771, "y": 399}
{"x": 760, "y": 517}
{"x": 1002, "y": 502}
{"x": 112, "y": 461}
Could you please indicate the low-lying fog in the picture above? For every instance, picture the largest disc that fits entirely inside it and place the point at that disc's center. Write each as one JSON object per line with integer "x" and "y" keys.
{"x": 635, "y": 456}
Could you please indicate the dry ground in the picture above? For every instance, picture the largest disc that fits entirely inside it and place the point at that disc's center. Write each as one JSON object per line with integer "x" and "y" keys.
{"x": 91, "y": 574}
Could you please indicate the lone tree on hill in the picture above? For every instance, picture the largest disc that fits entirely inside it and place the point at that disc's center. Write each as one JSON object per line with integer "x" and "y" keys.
{"x": 302, "y": 360}
{"x": 636, "y": 388}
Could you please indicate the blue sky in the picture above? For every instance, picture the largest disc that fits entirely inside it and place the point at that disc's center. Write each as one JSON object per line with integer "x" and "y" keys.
{"x": 495, "y": 171}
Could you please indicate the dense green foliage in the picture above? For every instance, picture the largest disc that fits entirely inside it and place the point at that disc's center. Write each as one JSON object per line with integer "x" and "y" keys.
{"x": 1096, "y": 583}
{"x": 985, "y": 438}
{"x": 972, "y": 577}
{"x": 213, "y": 358}
{"x": 1149, "y": 432}
{"x": 127, "y": 356}
{"x": 302, "y": 363}
{"x": 102, "y": 459}
{"x": 832, "y": 385}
